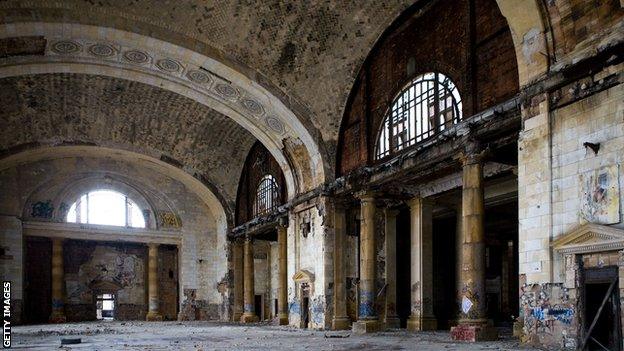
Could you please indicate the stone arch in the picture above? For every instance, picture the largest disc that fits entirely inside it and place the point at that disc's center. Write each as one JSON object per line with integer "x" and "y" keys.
{"x": 530, "y": 36}
{"x": 76, "y": 48}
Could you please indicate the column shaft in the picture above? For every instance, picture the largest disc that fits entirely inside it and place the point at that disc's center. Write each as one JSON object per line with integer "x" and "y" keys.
{"x": 237, "y": 258}
{"x": 58, "y": 277}
{"x": 282, "y": 287}
{"x": 422, "y": 317}
{"x": 153, "y": 313}
{"x": 341, "y": 319}
{"x": 249, "y": 313}
{"x": 473, "y": 254}
{"x": 392, "y": 319}
{"x": 368, "y": 320}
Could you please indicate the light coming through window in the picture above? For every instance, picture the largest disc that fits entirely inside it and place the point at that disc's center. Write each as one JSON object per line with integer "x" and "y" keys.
{"x": 108, "y": 208}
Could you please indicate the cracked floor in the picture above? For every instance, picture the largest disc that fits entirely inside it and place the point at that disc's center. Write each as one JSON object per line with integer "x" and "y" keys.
{"x": 221, "y": 336}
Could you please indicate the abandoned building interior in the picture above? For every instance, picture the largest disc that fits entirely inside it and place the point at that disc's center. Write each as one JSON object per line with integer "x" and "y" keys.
{"x": 448, "y": 165}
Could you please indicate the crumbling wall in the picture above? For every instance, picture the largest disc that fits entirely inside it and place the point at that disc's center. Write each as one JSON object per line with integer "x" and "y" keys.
{"x": 555, "y": 173}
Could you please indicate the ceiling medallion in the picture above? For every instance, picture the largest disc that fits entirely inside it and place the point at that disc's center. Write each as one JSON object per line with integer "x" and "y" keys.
{"x": 136, "y": 56}
{"x": 102, "y": 50}
{"x": 226, "y": 91}
{"x": 275, "y": 124}
{"x": 168, "y": 65}
{"x": 254, "y": 107}
{"x": 65, "y": 47}
{"x": 198, "y": 77}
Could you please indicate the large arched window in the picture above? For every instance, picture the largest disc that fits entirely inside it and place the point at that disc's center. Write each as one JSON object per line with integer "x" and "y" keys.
{"x": 106, "y": 207}
{"x": 427, "y": 105}
{"x": 267, "y": 196}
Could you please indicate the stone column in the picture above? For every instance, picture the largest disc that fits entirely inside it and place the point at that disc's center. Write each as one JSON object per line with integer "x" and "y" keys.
{"x": 282, "y": 287}
{"x": 58, "y": 283}
{"x": 472, "y": 323}
{"x": 392, "y": 319}
{"x": 341, "y": 320}
{"x": 368, "y": 321}
{"x": 153, "y": 313}
{"x": 249, "y": 313}
{"x": 237, "y": 262}
{"x": 421, "y": 221}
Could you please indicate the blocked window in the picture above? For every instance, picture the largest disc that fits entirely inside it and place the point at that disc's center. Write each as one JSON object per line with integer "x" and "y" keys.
{"x": 106, "y": 207}
{"x": 429, "y": 104}
{"x": 267, "y": 196}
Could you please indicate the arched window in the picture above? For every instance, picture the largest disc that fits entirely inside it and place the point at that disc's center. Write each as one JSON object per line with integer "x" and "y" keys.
{"x": 106, "y": 207}
{"x": 267, "y": 196}
{"x": 427, "y": 105}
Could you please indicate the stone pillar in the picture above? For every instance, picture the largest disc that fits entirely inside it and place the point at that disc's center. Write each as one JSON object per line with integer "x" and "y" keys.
{"x": 153, "y": 313}
{"x": 282, "y": 287}
{"x": 249, "y": 313}
{"x": 237, "y": 263}
{"x": 58, "y": 283}
{"x": 392, "y": 319}
{"x": 368, "y": 321}
{"x": 421, "y": 226}
{"x": 341, "y": 320}
{"x": 472, "y": 323}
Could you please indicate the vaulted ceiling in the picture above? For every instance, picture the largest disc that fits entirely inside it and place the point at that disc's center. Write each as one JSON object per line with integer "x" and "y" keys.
{"x": 65, "y": 108}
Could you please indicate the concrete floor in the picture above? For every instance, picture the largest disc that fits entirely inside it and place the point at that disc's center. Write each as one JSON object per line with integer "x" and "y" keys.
{"x": 219, "y": 336}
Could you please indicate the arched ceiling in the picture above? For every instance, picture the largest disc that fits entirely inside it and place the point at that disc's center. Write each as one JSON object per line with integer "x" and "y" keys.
{"x": 306, "y": 52}
{"x": 66, "y": 108}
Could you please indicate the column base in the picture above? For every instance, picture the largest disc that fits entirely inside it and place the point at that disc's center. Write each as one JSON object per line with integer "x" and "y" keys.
{"x": 393, "y": 322}
{"x": 57, "y": 317}
{"x": 474, "y": 333}
{"x": 249, "y": 318}
{"x": 281, "y": 319}
{"x": 236, "y": 316}
{"x": 341, "y": 323}
{"x": 422, "y": 323}
{"x": 365, "y": 326}
{"x": 153, "y": 317}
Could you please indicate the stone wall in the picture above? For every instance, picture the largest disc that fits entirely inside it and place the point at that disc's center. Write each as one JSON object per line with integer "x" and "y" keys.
{"x": 555, "y": 198}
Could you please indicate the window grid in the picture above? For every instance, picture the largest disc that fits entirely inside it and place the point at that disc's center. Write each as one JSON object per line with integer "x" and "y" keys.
{"x": 267, "y": 196}
{"x": 428, "y": 105}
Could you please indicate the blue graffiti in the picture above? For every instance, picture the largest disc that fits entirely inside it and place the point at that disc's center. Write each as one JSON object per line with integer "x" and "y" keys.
{"x": 538, "y": 313}
{"x": 56, "y": 303}
{"x": 294, "y": 307}
{"x": 318, "y": 311}
{"x": 248, "y": 307}
{"x": 563, "y": 315}
{"x": 42, "y": 209}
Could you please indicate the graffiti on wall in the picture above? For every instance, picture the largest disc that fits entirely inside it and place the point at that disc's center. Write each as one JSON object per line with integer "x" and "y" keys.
{"x": 600, "y": 196}
{"x": 42, "y": 209}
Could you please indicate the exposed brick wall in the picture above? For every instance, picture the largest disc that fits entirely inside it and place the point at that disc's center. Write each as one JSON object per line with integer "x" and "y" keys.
{"x": 438, "y": 40}
{"x": 259, "y": 163}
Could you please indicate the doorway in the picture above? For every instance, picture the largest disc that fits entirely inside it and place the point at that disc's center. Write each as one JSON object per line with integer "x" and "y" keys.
{"x": 305, "y": 305}
{"x": 403, "y": 267}
{"x": 601, "y": 314}
{"x": 105, "y": 307}
{"x": 258, "y": 306}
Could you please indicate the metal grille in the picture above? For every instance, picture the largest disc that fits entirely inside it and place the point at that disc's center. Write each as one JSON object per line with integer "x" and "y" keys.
{"x": 267, "y": 196}
{"x": 429, "y": 104}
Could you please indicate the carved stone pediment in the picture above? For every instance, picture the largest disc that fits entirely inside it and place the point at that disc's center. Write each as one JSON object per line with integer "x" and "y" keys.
{"x": 303, "y": 276}
{"x": 590, "y": 238}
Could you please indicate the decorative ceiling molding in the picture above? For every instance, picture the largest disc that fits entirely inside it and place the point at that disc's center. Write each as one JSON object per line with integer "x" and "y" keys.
{"x": 590, "y": 238}
{"x": 84, "y": 49}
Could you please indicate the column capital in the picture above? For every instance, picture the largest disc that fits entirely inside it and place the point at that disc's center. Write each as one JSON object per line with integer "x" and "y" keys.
{"x": 473, "y": 153}
{"x": 366, "y": 195}
{"x": 419, "y": 201}
{"x": 153, "y": 245}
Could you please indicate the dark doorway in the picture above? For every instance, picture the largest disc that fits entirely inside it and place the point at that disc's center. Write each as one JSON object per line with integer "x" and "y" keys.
{"x": 305, "y": 315}
{"x": 444, "y": 281}
{"x": 38, "y": 280}
{"x": 601, "y": 289}
{"x": 403, "y": 266}
{"x": 258, "y": 306}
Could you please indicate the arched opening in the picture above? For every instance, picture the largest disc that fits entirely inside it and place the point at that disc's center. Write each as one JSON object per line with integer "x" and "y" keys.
{"x": 106, "y": 207}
